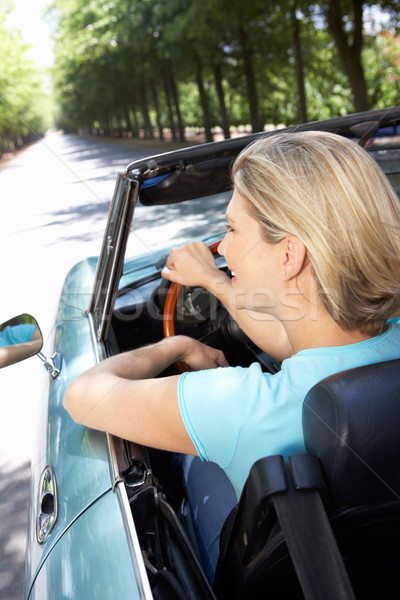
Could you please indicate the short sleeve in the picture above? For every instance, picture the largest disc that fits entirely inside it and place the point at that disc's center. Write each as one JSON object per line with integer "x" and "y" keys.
{"x": 17, "y": 334}
{"x": 214, "y": 404}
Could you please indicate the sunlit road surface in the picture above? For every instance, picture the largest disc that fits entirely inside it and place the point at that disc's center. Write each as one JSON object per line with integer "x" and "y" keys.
{"x": 54, "y": 199}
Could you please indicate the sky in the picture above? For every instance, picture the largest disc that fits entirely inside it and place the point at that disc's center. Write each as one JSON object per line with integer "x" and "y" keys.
{"x": 28, "y": 18}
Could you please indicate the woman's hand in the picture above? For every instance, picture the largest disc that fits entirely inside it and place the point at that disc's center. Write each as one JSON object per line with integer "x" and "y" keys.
{"x": 192, "y": 264}
{"x": 199, "y": 356}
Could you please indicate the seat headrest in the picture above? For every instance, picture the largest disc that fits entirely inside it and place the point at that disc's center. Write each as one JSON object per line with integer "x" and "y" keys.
{"x": 351, "y": 422}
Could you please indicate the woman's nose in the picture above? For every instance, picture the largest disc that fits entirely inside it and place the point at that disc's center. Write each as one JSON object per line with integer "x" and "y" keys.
{"x": 222, "y": 245}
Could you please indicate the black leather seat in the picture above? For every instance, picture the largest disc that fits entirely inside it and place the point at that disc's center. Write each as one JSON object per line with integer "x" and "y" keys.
{"x": 348, "y": 483}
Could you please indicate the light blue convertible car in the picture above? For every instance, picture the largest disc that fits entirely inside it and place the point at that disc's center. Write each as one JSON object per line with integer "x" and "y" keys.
{"x": 107, "y": 517}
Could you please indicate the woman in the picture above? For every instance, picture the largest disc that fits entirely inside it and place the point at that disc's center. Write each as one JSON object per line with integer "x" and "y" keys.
{"x": 18, "y": 342}
{"x": 313, "y": 246}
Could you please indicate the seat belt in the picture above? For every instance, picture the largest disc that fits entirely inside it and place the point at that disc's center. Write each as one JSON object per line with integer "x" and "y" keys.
{"x": 309, "y": 536}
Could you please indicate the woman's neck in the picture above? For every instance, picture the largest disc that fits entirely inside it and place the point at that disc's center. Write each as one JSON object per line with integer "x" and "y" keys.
{"x": 322, "y": 332}
{"x": 305, "y": 318}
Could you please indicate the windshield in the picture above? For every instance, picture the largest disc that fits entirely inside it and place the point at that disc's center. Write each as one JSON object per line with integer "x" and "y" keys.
{"x": 156, "y": 228}
{"x": 386, "y": 152}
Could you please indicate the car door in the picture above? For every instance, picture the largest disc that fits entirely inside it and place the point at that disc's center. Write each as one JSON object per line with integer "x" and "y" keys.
{"x": 77, "y": 535}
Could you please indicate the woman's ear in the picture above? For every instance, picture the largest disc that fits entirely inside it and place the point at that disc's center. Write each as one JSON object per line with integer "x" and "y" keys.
{"x": 294, "y": 256}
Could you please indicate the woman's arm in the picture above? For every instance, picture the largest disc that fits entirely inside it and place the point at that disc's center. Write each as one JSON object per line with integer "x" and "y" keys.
{"x": 194, "y": 264}
{"x": 121, "y": 396}
{"x": 10, "y": 355}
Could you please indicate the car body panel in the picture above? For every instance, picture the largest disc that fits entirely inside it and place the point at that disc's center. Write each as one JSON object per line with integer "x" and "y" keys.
{"x": 91, "y": 559}
{"x": 78, "y": 455}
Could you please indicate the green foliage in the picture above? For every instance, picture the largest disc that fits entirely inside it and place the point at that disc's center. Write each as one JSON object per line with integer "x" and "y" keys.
{"x": 382, "y": 60}
{"x": 122, "y": 65}
{"x": 24, "y": 108}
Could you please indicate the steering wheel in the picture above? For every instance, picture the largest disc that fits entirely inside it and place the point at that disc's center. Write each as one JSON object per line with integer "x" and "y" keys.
{"x": 169, "y": 310}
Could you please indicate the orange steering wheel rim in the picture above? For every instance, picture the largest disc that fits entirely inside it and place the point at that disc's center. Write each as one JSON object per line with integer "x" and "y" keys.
{"x": 170, "y": 306}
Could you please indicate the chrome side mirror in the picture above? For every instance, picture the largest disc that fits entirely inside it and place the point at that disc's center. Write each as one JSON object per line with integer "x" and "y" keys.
{"x": 20, "y": 338}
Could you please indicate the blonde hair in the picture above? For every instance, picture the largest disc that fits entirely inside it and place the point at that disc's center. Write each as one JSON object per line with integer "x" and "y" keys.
{"x": 331, "y": 194}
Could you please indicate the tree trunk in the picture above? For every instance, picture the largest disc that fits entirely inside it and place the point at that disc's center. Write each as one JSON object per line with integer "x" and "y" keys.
{"x": 136, "y": 124}
{"x": 252, "y": 94}
{"x": 158, "y": 112}
{"x": 175, "y": 96}
{"x": 106, "y": 126}
{"x": 299, "y": 65}
{"x": 132, "y": 126}
{"x": 169, "y": 104}
{"x": 128, "y": 120}
{"x": 120, "y": 126}
{"x": 221, "y": 100}
{"x": 148, "y": 129}
{"x": 113, "y": 125}
{"x": 350, "y": 51}
{"x": 203, "y": 101}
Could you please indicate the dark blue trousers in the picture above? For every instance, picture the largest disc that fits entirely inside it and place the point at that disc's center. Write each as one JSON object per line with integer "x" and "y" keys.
{"x": 210, "y": 499}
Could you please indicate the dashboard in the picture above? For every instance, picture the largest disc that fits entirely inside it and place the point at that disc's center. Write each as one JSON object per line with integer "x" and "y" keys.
{"x": 138, "y": 321}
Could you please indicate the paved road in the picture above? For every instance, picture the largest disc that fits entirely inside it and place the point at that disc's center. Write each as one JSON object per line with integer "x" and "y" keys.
{"x": 54, "y": 199}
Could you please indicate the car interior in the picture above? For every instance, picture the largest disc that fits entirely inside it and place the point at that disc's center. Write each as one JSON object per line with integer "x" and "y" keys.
{"x": 344, "y": 489}
{"x": 322, "y": 525}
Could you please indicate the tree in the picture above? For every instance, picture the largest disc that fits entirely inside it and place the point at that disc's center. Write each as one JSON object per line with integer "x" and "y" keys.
{"x": 299, "y": 62}
{"x": 143, "y": 66}
{"x": 23, "y": 103}
{"x": 345, "y": 23}
{"x": 349, "y": 43}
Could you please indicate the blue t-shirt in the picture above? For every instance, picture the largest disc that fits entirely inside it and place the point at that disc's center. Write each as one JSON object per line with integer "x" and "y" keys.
{"x": 237, "y": 415}
{"x": 16, "y": 334}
